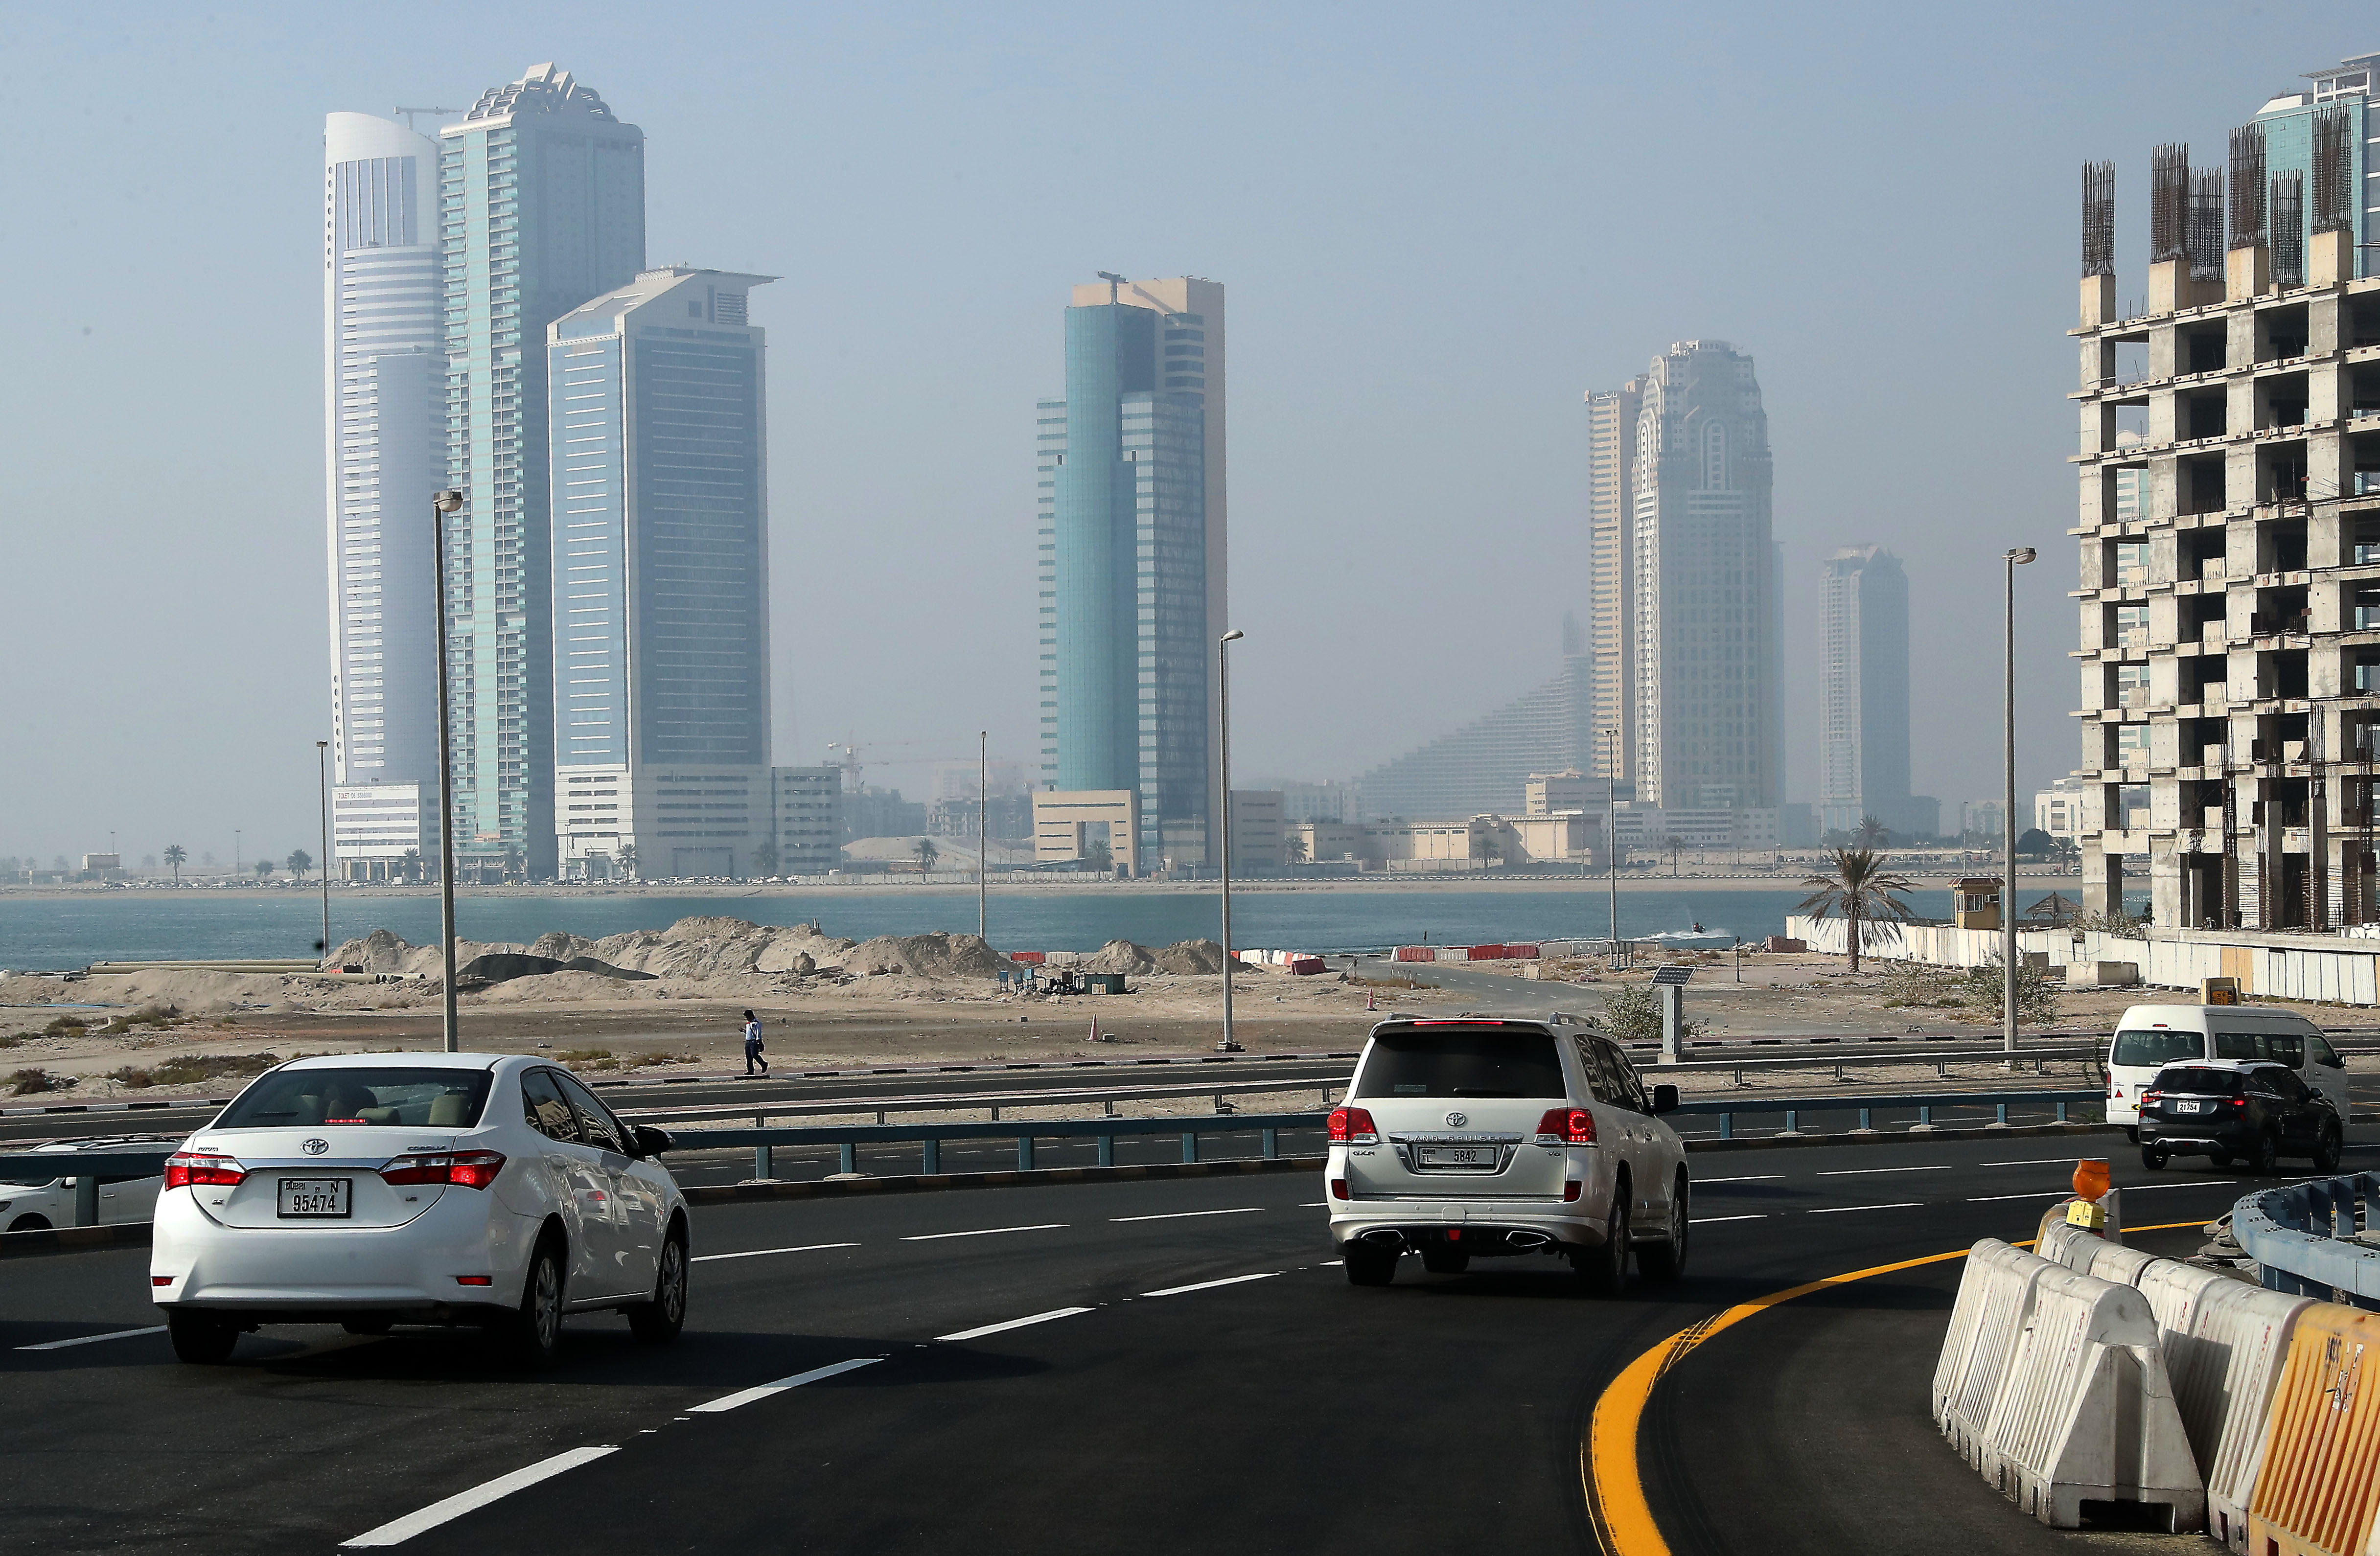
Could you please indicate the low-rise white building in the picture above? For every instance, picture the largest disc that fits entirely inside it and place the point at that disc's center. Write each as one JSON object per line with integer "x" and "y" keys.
{"x": 375, "y": 826}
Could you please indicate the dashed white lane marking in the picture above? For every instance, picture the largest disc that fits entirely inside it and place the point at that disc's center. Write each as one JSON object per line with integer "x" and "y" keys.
{"x": 1705, "y": 1220}
{"x": 1210, "y": 1285}
{"x": 985, "y": 1231}
{"x": 758, "y": 1253}
{"x": 1988, "y": 1199}
{"x": 91, "y": 1338}
{"x": 1838, "y": 1210}
{"x": 746, "y": 1396}
{"x": 1184, "y": 1215}
{"x": 2187, "y": 1183}
{"x": 2031, "y": 1162}
{"x": 405, "y": 1528}
{"x": 1746, "y": 1178}
{"x": 1014, "y": 1323}
{"x": 1871, "y": 1172}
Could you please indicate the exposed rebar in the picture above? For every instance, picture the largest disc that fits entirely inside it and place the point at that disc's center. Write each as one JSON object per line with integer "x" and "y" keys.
{"x": 2099, "y": 218}
{"x": 2168, "y": 201}
{"x": 2248, "y": 186}
{"x": 2204, "y": 237}
{"x": 2334, "y": 168}
{"x": 2288, "y": 229}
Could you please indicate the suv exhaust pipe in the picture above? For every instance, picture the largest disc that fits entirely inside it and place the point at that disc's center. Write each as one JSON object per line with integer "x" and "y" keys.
{"x": 1384, "y": 1238}
{"x": 1527, "y": 1242}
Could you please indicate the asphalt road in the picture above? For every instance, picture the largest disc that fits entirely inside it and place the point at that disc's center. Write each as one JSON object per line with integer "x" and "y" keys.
{"x": 1198, "y": 1379}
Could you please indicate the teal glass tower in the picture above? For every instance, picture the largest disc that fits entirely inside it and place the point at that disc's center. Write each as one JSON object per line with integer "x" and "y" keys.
{"x": 541, "y": 206}
{"x": 1132, "y": 557}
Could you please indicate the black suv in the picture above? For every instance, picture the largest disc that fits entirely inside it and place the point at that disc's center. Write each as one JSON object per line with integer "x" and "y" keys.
{"x": 2254, "y": 1111}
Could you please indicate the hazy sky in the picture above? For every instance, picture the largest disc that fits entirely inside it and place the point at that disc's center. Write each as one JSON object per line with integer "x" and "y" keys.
{"x": 1439, "y": 226}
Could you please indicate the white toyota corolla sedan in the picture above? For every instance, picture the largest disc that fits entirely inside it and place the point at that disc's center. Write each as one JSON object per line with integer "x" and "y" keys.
{"x": 373, "y": 1189}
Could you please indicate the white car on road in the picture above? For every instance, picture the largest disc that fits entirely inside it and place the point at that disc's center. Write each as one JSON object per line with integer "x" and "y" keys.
{"x": 33, "y": 1203}
{"x": 1476, "y": 1137}
{"x": 375, "y": 1189}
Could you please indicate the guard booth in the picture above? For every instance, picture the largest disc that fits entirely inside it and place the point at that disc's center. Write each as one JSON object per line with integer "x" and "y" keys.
{"x": 1975, "y": 902}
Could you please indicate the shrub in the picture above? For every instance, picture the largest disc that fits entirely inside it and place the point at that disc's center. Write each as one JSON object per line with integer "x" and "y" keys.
{"x": 24, "y": 1083}
{"x": 1920, "y": 983}
{"x": 65, "y": 1026}
{"x": 1631, "y": 1013}
{"x": 135, "y": 1078}
{"x": 2036, "y": 998}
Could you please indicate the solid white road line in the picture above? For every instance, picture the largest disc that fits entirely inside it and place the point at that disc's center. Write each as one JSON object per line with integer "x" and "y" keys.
{"x": 1838, "y": 1210}
{"x": 2191, "y": 1182}
{"x": 1180, "y": 1215}
{"x": 1871, "y": 1172}
{"x": 1747, "y": 1178}
{"x": 1704, "y": 1221}
{"x": 1210, "y": 1285}
{"x": 757, "y": 1253}
{"x": 1988, "y": 1199}
{"x": 91, "y": 1338}
{"x": 1015, "y": 1323}
{"x": 430, "y": 1517}
{"x": 986, "y": 1232}
{"x": 746, "y": 1396}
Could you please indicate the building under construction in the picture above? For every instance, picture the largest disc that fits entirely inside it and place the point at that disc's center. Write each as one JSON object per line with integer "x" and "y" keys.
{"x": 2230, "y": 531}
{"x": 1484, "y": 765}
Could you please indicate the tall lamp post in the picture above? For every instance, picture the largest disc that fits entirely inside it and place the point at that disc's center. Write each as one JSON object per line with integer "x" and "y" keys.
{"x": 982, "y": 828}
{"x": 441, "y": 505}
{"x": 1612, "y": 843}
{"x": 322, "y": 866}
{"x": 2014, "y": 559}
{"x": 1231, "y": 1043}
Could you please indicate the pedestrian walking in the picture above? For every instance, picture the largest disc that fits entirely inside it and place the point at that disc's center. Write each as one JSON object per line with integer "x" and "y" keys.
{"x": 753, "y": 1045}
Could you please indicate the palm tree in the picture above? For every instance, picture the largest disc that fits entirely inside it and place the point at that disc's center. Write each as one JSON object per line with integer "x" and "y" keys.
{"x": 1861, "y": 887}
{"x": 764, "y": 858}
{"x": 1870, "y": 833}
{"x": 265, "y": 868}
{"x": 1673, "y": 844}
{"x": 511, "y": 860}
{"x": 408, "y": 865}
{"x": 174, "y": 855}
{"x": 627, "y": 857}
{"x": 927, "y": 854}
{"x": 299, "y": 862}
{"x": 1297, "y": 847}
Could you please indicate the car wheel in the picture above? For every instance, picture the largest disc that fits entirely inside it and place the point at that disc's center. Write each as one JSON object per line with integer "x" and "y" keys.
{"x": 1445, "y": 1262}
{"x": 659, "y": 1319}
{"x": 1369, "y": 1267}
{"x": 2219, "y": 1159}
{"x": 30, "y": 1224}
{"x": 532, "y": 1335}
{"x": 2131, "y": 1132}
{"x": 203, "y": 1338}
{"x": 1666, "y": 1260}
{"x": 2154, "y": 1158}
{"x": 2327, "y": 1150}
{"x": 2267, "y": 1158}
{"x": 1603, "y": 1270}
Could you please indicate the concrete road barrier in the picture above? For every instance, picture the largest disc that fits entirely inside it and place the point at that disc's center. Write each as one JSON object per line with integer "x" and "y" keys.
{"x": 2225, "y": 1344}
{"x": 2321, "y": 1481}
{"x": 2052, "y": 1385}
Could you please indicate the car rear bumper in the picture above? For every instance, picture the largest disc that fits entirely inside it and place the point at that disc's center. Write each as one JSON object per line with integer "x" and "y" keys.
{"x": 1505, "y": 1226}
{"x": 328, "y": 1271}
{"x": 2187, "y": 1140}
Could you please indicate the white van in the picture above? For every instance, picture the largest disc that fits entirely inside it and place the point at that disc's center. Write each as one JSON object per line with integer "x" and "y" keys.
{"x": 2151, "y": 1037}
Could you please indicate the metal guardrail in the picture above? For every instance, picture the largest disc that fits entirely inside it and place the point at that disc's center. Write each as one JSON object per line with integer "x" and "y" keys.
{"x": 1925, "y": 1103}
{"x": 960, "y": 1101}
{"x": 2304, "y": 1240}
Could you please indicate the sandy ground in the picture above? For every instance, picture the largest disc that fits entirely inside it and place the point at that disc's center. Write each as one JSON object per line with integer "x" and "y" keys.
{"x": 826, "y": 1006}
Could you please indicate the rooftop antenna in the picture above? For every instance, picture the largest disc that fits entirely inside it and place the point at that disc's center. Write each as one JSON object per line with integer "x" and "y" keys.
{"x": 1113, "y": 281}
{"x": 408, "y": 112}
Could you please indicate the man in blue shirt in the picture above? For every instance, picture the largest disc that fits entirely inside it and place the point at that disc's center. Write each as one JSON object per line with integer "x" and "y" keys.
{"x": 752, "y": 1044}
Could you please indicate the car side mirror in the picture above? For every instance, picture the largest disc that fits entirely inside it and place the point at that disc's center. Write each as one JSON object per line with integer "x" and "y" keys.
{"x": 653, "y": 1141}
{"x": 2334, "y": 1062}
{"x": 1665, "y": 1099}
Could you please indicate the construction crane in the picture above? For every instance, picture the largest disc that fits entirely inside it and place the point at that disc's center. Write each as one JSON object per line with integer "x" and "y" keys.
{"x": 851, "y": 749}
{"x": 408, "y": 112}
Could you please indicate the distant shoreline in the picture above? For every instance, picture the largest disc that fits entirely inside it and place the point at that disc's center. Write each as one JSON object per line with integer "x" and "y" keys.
{"x": 877, "y": 886}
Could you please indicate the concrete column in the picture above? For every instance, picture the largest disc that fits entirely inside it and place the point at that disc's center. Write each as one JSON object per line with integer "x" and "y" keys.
{"x": 2098, "y": 302}
{"x": 2247, "y": 273}
{"x": 2330, "y": 258}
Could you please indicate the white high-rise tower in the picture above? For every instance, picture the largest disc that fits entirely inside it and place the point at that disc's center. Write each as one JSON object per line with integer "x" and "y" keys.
{"x": 384, "y": 390}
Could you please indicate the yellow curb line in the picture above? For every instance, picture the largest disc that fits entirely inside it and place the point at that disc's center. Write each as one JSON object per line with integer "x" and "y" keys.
{"x": 1607, "y": 1465}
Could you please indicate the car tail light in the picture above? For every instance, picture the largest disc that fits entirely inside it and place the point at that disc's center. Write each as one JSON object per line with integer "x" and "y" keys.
{"x": 1566, "y": 1127}
{"x": 2239, "y": 1101}
{"x": 202, "y": 1169}
{"x": 1339, "y": 1188}
{"x": 1572, "y": 1190}
{"x": 2151, "y": 1099}
{"x": 1353, "y": 1126}
{"x": 467, "y": 1169}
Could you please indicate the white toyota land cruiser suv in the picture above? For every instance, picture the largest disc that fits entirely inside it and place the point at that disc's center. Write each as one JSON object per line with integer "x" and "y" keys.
{"x": 1480, "y": 1137}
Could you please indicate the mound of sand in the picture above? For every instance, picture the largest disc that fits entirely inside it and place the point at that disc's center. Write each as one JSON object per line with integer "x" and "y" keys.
{"x": 935, "y": 955}
{"x": 1190, "y": 956}
{"x": 1120, "y": 956}
{"x": 384, "y": 951}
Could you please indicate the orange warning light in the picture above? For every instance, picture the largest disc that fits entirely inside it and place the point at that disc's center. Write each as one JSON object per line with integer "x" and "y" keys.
{"x": 2091, "y": 1179}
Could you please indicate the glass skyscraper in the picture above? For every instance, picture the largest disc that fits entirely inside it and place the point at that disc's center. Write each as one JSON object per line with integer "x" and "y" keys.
{"x": 658, "y": 426}
{"x": 383, "y": 380}
{"x": 541, "y": 207}
{"x": 1132, "y": 556}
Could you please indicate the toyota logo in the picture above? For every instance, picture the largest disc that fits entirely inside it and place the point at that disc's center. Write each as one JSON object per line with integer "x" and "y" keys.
{"x": 1456, "y": 1120}
{"x": 315, "y": 1147}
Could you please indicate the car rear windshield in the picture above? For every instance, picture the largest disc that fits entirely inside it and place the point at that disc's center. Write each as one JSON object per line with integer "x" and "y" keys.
{"x": 2193, "y": 1082}
{"x": 412, "y": 1098}
{"x": 2146, "y": 1050}
{"x": 1463, "y": 1062}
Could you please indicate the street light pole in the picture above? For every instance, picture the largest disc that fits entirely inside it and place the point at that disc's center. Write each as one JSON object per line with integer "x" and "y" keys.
{"x": 323, "y": 865}
{"x": 1611, "y": 843}
{"x": 2014, "y": 559}
{"x": 1231, "y": 1043}
{"x": 982, "y": 824}
{"x": 441, "y": 505}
